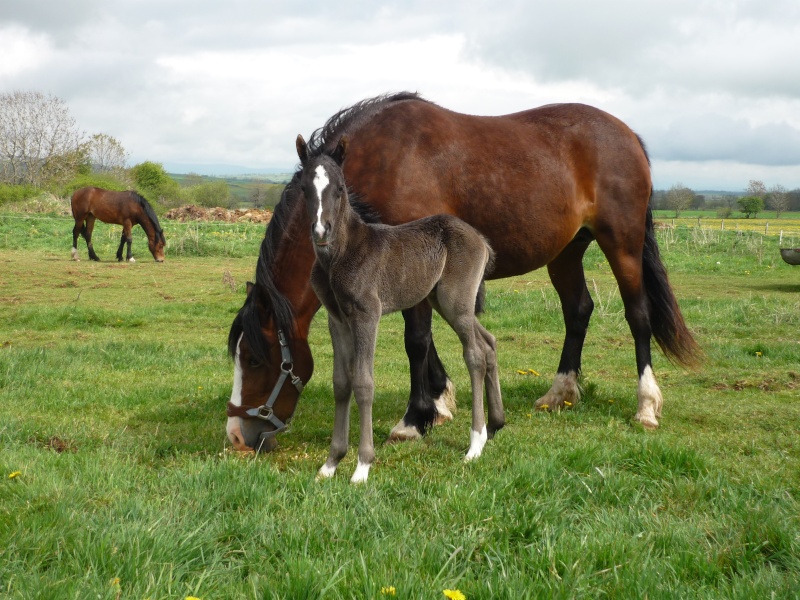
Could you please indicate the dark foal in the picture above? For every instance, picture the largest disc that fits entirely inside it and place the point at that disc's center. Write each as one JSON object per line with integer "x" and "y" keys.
{"x": 363, "y": 271}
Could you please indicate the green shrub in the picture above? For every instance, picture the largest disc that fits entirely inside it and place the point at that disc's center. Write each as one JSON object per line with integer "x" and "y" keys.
{"x": 17, "y": 193}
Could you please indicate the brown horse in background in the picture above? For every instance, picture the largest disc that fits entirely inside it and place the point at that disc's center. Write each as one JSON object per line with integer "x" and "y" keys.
{"x": 540, "y": 185}
{"x": 120, "y": 208}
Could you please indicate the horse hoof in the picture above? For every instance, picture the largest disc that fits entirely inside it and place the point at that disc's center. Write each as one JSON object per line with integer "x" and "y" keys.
{"x": 325, "y": 472}
{"x": 131, "y": 259}
{"x": 403, "y": 433}
{"x": 647, "y": 422}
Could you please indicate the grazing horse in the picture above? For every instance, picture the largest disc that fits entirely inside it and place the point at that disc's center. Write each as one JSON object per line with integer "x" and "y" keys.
{"x": 364, "y": 271}
{"x": 121, "y": 208}
{"x": 540, "y": 185}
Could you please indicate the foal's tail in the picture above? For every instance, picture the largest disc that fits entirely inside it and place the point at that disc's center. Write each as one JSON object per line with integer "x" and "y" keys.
{"x": 480, "y": 300}
{"x": 666, "y": 321}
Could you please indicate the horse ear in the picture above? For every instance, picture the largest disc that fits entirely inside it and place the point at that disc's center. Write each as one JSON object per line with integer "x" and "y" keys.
{"x": 302, "y": 148}
{"x": 250, "y": 286}
{"x": 341, "y": 150}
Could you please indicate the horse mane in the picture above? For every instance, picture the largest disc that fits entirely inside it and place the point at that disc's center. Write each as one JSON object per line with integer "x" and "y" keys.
{"x": 322, "y": 140}
{"x": 151, "y": 214}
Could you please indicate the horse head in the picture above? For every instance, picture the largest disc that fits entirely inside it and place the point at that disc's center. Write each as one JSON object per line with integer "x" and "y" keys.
{"x": 266, "y": 382}
{"x": 156, "y": 243}
{"x": 323, "y": 186}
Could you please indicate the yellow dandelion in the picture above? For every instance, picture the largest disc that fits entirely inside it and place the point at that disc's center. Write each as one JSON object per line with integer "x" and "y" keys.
{"x": 115, "y": 582}
{"x": 192, "y": 598}
{"x": 522, "y": 372}
{"x": 545, "y": 407}
{"x": 759, "y": 354}
{"x": 388, "y": 590}
{"x": 532, "y": 372}
{"x": 567, "y": 402}
{"x": 611, "y": 401}
{"x": 454, "y": 595}
{"x": 14, "y": 475}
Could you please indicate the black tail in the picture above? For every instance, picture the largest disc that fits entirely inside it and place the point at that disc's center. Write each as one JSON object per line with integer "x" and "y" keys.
{"x": 666, "y": 320}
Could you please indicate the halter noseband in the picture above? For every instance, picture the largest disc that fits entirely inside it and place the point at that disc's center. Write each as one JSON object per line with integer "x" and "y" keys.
{"x": 264, "y": 412}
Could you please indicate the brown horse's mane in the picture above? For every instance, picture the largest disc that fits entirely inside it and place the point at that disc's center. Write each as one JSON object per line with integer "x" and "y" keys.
{"x": 151, "y": 214}
{"x": 322, "y": 141}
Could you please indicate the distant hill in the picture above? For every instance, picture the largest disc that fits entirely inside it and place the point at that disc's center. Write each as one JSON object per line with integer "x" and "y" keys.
{"x": 220, "y": 170}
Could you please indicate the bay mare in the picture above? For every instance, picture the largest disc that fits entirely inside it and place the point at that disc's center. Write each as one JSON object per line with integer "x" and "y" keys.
{"x": 364, "y": 271}
{"x": 119, "y": 208}
{"x": 540, "y": 185}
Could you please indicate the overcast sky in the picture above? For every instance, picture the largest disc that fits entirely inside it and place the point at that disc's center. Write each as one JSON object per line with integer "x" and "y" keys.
{"x": 713, "y": 86}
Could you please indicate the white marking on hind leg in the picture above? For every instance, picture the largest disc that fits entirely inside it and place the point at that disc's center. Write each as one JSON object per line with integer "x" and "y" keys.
{"x": 132, "y": 259}
{"x": 564, "y": 389}
{"x": 650, "y": 400}
{"x": 361, "y": 473}
{"x": 477, "y": 440}
{"x": 326, "y": 471}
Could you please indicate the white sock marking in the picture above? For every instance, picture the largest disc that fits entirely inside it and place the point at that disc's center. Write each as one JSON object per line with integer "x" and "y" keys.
{"x": 326, "y": 472}
{"x": 321, "y": 182}
{"x": 361, "y": 473}
{"x": 477, "y": 440}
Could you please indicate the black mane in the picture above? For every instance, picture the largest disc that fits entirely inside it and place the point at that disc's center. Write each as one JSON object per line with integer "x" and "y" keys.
{"x": 322, "y": 141}
{"x": 151, "y": 214}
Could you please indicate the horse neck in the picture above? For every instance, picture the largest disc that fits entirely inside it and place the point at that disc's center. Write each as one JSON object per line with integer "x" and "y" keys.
{"x": 291, "y": 269}
{"x": 148, "y": 226}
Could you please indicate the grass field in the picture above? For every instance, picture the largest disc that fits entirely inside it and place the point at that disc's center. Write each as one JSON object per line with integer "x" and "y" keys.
{"x": 116, "y": 480}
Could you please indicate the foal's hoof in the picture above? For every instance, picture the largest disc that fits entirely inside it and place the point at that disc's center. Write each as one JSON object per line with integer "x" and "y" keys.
{"x": 403, "y": 433}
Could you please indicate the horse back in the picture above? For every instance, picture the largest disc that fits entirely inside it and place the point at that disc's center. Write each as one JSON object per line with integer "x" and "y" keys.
{"x": 529, "y": 181}
{"x": 106, "y": 205}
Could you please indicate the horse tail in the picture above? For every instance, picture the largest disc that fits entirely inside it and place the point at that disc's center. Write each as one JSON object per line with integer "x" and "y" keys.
{"x": 666, "y": 321}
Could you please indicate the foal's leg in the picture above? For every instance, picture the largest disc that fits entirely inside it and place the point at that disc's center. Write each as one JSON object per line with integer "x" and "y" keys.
{"x": 491, "y": 382}
{"x": 365, "y": 336}
{"x": 432, "y": 398}
{"x": 342, "y": 392}
{"x": 566, "y": 274}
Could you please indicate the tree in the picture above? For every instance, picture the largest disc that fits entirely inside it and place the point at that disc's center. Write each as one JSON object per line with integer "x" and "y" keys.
{"x": 679, "y": 198}
{"x": 106, "y": 154}
{"x": 258, "y": 195}
{"x": 39, "y": 142}
{"x": 778, "y": 199}
{"x": 756, "y": 188}
{"x": 153, "y": 181}
{"x": 751, "y": 205}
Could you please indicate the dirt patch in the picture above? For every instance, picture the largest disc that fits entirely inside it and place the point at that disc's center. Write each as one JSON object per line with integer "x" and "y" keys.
{"x": 190, "y": 212}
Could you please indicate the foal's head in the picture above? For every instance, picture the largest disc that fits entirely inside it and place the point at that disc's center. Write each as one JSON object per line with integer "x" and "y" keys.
{"x": 322, "y": 184}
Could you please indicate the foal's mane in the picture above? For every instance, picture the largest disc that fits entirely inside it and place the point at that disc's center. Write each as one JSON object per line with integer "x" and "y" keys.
{"x": 322, "y": 141}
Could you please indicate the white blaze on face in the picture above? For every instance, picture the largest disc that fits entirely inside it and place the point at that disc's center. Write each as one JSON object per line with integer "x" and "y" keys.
{"x": 321, "y": 182}
{"x": 232, "y": 428}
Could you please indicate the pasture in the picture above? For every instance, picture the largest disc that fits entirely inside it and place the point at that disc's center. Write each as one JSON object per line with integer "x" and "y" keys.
{"x": 116, "y": 480}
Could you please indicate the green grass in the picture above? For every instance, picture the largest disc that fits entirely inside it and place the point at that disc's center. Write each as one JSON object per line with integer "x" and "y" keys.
{"x": 114, "y": 377}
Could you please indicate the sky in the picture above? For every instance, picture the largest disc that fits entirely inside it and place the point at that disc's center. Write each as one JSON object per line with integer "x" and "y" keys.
{"x": 713, "y": 86}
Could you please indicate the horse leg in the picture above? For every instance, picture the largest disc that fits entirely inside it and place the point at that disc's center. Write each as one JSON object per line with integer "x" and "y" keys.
{"x": 491, "y": 382}
{"x": 126, "y": 238}
{"x": 626, "y": 264}
{"x": 566, "y": 274}
{"x": 365, "y": 335}
{"x": 76, "y": 231}
{"x": 342, "y": 392}
{"x": 428, "y": 378}
{"x": 87, "y": 230}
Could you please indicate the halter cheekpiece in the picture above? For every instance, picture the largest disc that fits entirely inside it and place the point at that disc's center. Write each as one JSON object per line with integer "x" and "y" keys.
{"x": 265, "y": 412}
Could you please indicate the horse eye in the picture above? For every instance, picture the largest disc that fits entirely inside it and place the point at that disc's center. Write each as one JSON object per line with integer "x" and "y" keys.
{"x": 254, "y": 363}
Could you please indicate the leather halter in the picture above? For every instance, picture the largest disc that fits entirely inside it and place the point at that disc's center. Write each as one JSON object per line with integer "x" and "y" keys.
{"x": 264, "y": 412}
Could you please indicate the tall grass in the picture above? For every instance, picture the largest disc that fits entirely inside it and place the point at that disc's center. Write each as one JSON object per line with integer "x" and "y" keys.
{"x": 114, "y": 377}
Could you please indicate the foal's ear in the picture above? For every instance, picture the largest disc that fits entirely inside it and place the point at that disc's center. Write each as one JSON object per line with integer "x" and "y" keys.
{"x": 302, "y": 149}
{"x": 341, "y": 150}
